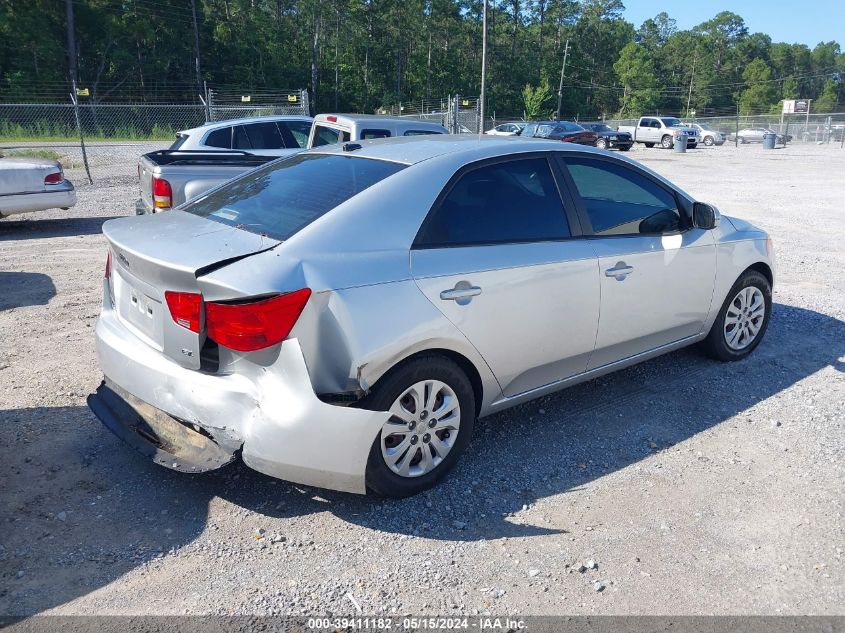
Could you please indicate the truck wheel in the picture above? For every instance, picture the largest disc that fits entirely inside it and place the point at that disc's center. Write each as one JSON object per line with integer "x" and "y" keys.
{"x": 708, "y": 141}
{"x": 649, "y": 144}
{"x": 433, "y": 407}
{"x": 666, "y": 142}
{"x": 741, "y": 140}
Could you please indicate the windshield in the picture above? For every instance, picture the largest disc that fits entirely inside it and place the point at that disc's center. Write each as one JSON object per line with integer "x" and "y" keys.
{"x": 671, "y": 121}
{"x": 286, "y": 195}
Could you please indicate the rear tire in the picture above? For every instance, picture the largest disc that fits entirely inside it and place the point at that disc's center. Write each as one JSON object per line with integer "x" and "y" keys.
{"x": 433, "y": 402}
{"x": 734, "y": 336}
{"x": 649, "y": 144}
{"x": 624, "y": 148}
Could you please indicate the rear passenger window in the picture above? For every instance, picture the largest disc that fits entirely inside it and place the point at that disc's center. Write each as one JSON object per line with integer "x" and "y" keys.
{"x": 221, "y": 138}
{"x": 264, "y": 136}
{"x": 620, "y": 201}
{"x": 512, "y": 201}
{"x": 240, "y": 140}
{"x": 368, "y": 134}
{"x": 420, "y": 132}
{"x": 295, "y": 133}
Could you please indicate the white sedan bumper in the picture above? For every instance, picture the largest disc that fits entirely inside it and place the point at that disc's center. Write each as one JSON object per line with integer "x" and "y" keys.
{"x": 63, "y": 197}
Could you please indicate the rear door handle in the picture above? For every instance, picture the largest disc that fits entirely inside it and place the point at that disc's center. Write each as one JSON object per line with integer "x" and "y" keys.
{"x": 462, "y": 293}
{"x": 620, "y": 271}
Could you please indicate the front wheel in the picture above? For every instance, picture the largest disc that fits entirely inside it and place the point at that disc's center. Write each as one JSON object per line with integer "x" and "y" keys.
{"x": 666, "y": 142}
{"x": 740, "y": 140}
{"x": 742, "y": 320}
{"x": 432, "y": 409}
{"x": 601, "y": 143}
{"x": 708, "y": 141}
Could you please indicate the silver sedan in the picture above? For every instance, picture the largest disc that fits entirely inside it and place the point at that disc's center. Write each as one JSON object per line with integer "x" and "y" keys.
{"x": 342, "y": 317}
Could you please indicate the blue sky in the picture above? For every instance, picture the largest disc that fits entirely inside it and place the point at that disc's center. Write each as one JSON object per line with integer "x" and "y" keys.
{"x": 806, "y": 22}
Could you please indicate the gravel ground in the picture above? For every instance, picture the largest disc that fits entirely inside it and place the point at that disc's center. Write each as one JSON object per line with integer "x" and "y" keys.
{"x": 694, "y": 487}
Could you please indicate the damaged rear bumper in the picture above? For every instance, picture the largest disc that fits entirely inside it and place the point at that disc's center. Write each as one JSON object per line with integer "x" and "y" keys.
{"x": 155, "y": 434}
{"x": 269, "y": 411}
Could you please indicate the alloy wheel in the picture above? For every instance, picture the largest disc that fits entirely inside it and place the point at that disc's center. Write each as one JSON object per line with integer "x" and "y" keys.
{"x": 744, "y": 318}
{"x": 424, "y": 424}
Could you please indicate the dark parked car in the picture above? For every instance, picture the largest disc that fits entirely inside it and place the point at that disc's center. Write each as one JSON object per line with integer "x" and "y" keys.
{"x": 610, "y": 138}
{"x": 560, "y": 131}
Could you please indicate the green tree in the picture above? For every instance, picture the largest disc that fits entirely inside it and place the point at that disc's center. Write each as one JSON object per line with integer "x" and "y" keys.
{"x": 534, "y": 98}
{"x": 760, "y": 93}
{"x": 635, "y": 68}
{"x": 826, "y": 102}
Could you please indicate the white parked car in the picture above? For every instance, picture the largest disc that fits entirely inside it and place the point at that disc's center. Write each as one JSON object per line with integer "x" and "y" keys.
{"x": 33, "y": 184}
{"x": 507, "y": 129}
{"x": 265, "y": 135}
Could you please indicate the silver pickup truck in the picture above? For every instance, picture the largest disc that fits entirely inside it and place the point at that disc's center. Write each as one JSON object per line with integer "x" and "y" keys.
{"x": 660, "y": 130}
{"x": 171, "y": 177}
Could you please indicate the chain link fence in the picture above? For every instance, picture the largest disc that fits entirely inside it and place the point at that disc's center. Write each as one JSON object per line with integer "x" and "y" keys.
{"x": 458, "y": 114}
{"x": 28, "y": 122}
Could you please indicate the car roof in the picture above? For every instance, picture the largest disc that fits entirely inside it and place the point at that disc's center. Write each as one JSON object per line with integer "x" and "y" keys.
{"x": 410, "y": 150}
{"x": 375, "y": 118}
{"x": 213, "y": 125}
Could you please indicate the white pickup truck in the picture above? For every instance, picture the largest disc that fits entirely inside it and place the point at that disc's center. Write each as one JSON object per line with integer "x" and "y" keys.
{"x": 660, "y": 130}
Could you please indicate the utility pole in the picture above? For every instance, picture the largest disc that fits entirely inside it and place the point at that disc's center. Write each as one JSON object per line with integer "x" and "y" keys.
{"x": 196, "y": 43}
{"x": 692, "y": 77}
{"x": 71, "y": 42}
{"x": 562, "y": 71}
{"x": 483, "y": 97}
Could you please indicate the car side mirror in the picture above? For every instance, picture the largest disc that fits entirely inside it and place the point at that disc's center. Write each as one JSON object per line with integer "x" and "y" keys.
{"x": 705, "y": 216}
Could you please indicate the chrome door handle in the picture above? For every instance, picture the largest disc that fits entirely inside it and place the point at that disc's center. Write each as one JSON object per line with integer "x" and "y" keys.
{"x": 462, "y": 293}
{"x": 620, "y": 271}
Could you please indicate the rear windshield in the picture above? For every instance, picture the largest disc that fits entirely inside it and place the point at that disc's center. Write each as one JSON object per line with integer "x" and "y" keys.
{"x": 284, "y": 196}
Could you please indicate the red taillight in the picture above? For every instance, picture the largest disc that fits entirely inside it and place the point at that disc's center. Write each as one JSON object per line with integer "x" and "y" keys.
{"x": 331, "y": 119}
{"x": 185, "y": 308}
{"x": 107, "y": 274}
{"x": 162, "y": 194}
{"x": 247, "y": 327}
{"x": 54, "y": 179}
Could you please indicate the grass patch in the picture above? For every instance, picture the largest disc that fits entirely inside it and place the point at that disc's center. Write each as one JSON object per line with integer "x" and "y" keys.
{"x": 34, "y": 153}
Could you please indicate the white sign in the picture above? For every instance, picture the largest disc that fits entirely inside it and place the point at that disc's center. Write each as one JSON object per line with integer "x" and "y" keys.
{"x": 796, "y": 106}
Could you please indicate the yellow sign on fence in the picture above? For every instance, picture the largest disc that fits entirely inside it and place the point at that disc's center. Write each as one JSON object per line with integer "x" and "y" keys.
{"x": 292, "y": 98}
{"x": 82, "y": 92}
{"x": 246, "y": 99}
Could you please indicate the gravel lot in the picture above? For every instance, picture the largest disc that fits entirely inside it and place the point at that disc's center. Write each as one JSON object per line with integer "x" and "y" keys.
{"x": 695, "y": 487}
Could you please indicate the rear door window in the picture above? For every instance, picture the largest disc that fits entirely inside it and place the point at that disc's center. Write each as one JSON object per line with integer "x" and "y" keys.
{"x": 221, "y": 138}
{"x": 282, "y": 197}
{"x": 240, "y": 140}
{"x": 295, "y": 133}
{"x": 264, "y": 135}
{"x": 420, "y": 132}
{"x": 506, "y": 202}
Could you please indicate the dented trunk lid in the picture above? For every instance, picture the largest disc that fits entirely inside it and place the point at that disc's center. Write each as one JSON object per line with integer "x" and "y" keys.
{"x": 167, "y": 252}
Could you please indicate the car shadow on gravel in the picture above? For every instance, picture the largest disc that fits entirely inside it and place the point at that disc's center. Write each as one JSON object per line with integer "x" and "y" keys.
{"x": 80, "y": 509}
{"x": 20, "y": 289}
{"x": 29, "y": 229}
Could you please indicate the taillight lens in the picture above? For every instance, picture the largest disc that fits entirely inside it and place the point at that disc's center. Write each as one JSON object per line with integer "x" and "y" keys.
{"x": 247, "y": 327}
{"x": 54, "y": 179}
{"x": 162, "y": 194}
{"x": 185, "y": 308}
